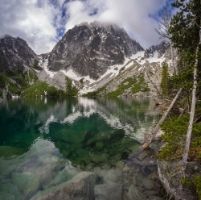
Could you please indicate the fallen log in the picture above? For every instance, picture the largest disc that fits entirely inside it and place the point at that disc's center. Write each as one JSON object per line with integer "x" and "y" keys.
{"x": 157, "y": 127}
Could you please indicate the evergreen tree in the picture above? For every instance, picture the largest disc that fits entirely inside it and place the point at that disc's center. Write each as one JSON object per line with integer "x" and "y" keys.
{"x": 71, "y": 90}
{"x": 184, "y": 26}
{"x": 164, "y": 79}
{"x": 185, "y": 32}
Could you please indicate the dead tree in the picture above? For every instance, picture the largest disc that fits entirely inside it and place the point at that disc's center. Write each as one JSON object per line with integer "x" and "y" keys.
{"x": 164, "y": 25}
{"x": 157, "y": 127}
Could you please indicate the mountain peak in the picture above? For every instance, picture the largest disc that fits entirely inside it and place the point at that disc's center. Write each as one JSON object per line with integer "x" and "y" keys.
{"x": 15, "y": 53}
{"x": 89, "y": 49}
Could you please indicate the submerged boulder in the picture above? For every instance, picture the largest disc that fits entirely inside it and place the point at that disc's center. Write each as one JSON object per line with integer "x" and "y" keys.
{"x": 8, "y": 151}
{"x": 6, "y": 196}
{"x": 69, "y": 136}
{"x": 66, "y": 174}
{"x": 78, "y": 188}
{"x": 106, "y": 138}
{"x": 108, "y": 191}
{"x": 26, "y": 182}
{"x": 134, "y": 193}
{"x": 9, "y": 191}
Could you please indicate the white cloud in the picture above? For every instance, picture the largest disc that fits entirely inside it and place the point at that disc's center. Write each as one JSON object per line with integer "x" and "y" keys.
{"x": 133, "y": 15}
{"x": 31, "y": 20}
{"x": 37, "y": 21}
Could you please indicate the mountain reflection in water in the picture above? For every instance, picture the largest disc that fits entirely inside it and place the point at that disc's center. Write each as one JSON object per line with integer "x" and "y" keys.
{"x": 40, "y": 137}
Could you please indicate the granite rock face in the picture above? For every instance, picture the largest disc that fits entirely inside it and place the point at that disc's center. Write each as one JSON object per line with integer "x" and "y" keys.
{"x": 160, "y": 49}
{"x": 15, "y": 54}
{"x": 89, "y": 49}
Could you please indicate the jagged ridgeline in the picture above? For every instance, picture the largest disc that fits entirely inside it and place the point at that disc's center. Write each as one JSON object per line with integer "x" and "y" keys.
{"x": 91, "y": 48}
{"x": 90, "y": 57}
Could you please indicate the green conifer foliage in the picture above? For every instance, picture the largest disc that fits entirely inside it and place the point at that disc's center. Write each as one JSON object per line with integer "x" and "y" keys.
{"x": 184, "y": 27}
{"x": 164, "y": 79}
{"x": 71, "y": 90}
{"x": 184, "y": 31}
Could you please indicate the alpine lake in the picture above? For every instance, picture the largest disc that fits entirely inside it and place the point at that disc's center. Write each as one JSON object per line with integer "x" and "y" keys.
{"x": 47, "y": 142}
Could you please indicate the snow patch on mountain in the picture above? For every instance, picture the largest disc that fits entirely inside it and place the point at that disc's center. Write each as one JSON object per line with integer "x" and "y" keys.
{"x": 44, "y": 64}
{"x": 112, "y": 72}
{"x": 143, "y": 62}
{"x": 71, "y": 74}
{"x": 85, "y": 90}
{"x": 115, "y": 70}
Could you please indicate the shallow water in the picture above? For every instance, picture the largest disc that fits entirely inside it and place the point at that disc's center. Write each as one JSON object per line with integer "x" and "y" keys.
{"x": 46, "y": 142}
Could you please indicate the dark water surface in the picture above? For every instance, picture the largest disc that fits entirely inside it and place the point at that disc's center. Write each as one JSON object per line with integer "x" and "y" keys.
{"x": 41, "y": 137}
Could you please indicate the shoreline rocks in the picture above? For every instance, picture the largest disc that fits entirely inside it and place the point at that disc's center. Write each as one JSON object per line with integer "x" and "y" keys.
{"x": 80, "y": 187}
{"x": 169, "y": 175}
{"x": 134, "y": 178}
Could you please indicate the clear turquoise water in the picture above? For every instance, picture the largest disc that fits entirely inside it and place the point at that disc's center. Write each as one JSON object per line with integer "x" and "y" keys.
{"x": 39, "y": 138}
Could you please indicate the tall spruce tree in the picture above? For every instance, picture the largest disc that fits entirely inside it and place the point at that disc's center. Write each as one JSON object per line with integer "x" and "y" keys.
{"x": 184, "y": 26}
{"x": 185, "y": 30}
{"x": 164, "y": 79}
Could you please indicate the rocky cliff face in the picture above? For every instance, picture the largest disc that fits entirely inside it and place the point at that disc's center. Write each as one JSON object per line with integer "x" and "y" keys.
{"x": 160, "y": 49}
{"x": 140, "y": 75}
{"x": 84, "y": 54}
{"x": 89, "y": 49}
{"x": 15, "y": 54}
{"x": 16, "y": 58}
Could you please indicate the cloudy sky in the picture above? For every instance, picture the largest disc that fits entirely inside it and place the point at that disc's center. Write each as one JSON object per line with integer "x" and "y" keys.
{"x": 43, "y": 22}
